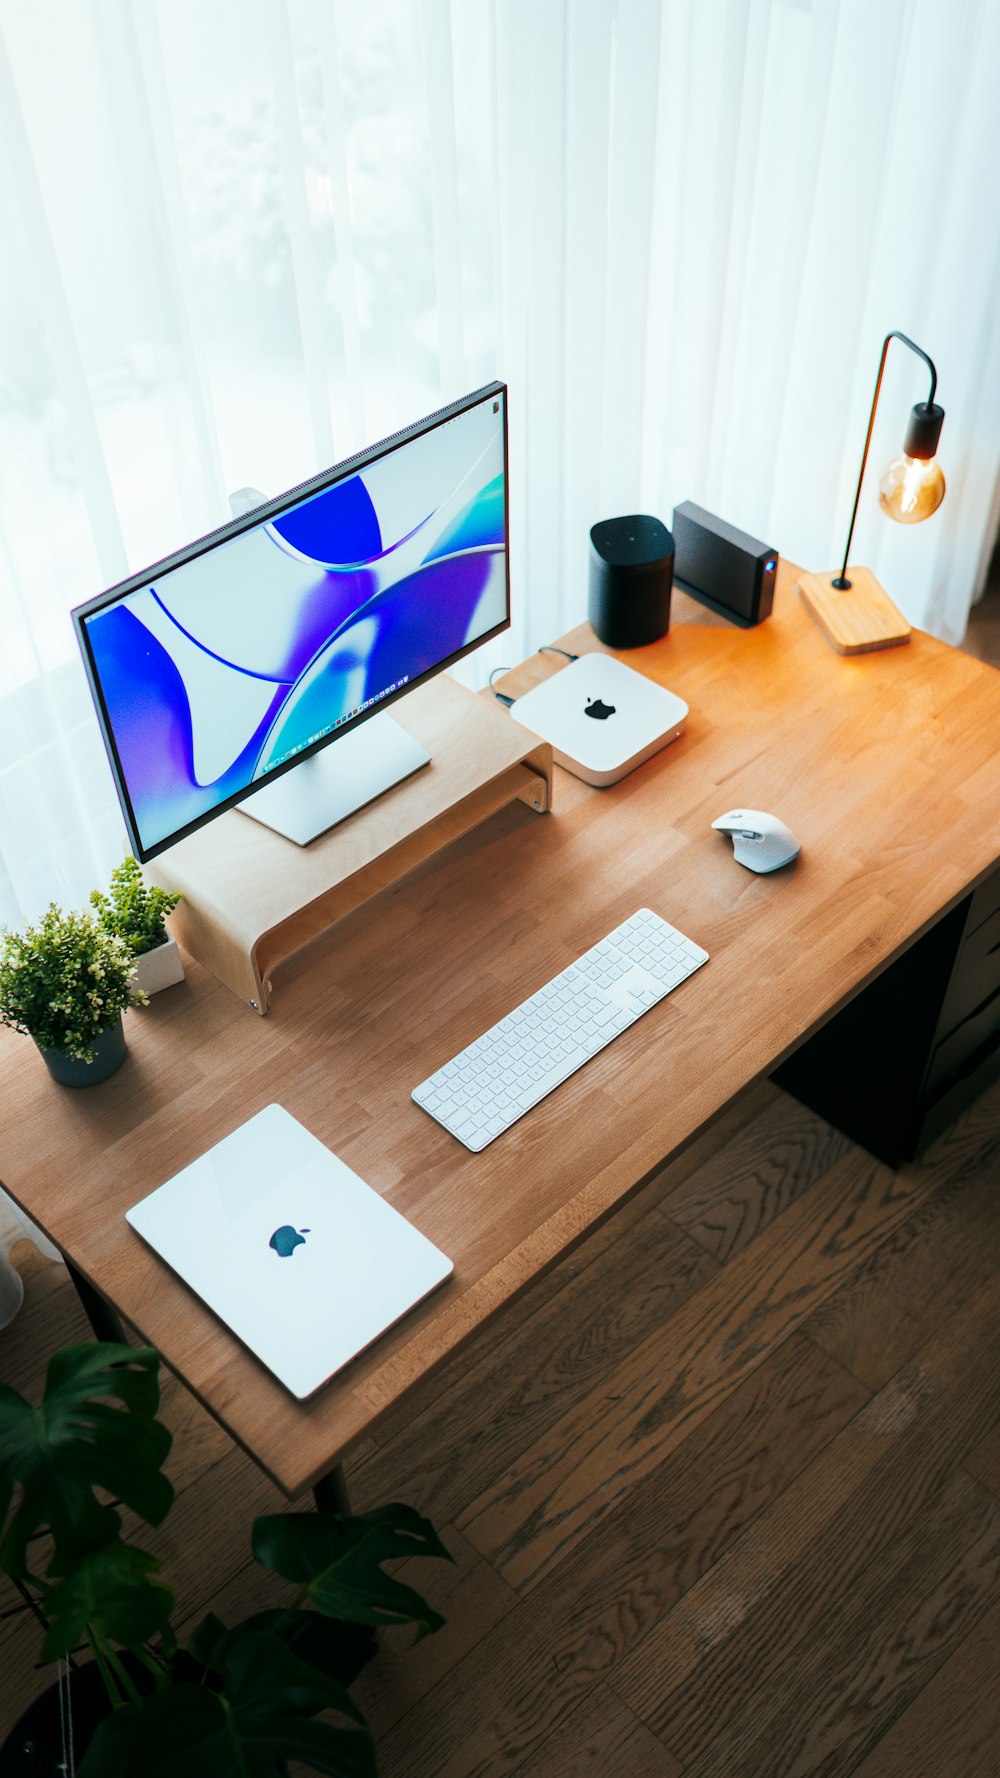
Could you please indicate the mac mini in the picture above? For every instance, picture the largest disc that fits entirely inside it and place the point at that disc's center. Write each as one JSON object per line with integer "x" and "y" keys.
{"x": 602, "y": 718}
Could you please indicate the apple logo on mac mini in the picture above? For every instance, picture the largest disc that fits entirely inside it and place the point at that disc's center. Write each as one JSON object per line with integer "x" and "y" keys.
{"x": 571, "y": 709}
{"x": 286, "y": 1239}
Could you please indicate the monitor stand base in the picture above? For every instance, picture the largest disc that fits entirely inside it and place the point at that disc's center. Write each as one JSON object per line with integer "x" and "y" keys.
{"x": 325, "y": 789}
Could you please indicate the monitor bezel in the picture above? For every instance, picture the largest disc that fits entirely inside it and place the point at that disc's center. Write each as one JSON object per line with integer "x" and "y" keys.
{"x": 247, "y": 521}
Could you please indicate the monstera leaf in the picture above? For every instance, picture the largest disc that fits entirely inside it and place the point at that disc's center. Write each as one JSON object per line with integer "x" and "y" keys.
{"x": 237, "y": 1703}
{"x": 338, "y": 1561}
{"x": 109, "y": 1591}
{"x": 338, "y": 1650}
{"x": 76, "y": 1442}
{"x": 261, "y": 1719}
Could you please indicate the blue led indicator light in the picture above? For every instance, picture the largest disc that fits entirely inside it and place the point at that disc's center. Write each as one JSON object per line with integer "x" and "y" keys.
{"x": 769, "y": 566}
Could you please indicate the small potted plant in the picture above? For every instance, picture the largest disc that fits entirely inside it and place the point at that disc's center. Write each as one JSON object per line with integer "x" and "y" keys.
{"x": 240, "y": 1700}
{"x": 136, "y": 911}
{"x": 66, "y": 982}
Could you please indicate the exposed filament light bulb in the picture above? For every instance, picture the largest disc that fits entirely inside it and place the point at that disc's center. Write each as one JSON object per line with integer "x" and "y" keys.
{"x": 911, "y": 488}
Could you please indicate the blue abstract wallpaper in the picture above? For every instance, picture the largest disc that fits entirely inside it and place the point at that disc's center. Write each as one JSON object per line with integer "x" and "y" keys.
{"x": 237, "y": 659}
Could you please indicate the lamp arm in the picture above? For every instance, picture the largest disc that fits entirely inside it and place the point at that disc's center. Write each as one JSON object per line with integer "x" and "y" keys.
{"x": 841, "y": 582}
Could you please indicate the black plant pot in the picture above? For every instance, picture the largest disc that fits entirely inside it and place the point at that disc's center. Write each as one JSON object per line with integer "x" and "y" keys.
{"x": 33, "y": 1749}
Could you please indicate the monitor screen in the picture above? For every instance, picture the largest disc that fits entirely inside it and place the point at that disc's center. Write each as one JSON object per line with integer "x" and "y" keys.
{"x": 234, "y": 659}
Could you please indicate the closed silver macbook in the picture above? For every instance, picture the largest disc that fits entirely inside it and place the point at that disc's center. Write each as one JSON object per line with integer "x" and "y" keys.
{"x": 297, "y": 1255}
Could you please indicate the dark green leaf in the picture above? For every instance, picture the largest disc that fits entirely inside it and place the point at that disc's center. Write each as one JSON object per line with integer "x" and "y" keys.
{"x": 181, "y": 1731}
{"x": 339, "y": 1561}
{"x": 261, "y": 1674}
{"x": 337, "y": 1649}
{"x": 75, "y": 1442}
{"x": 108, "y": 1590}
{"x": 261, "y": 1719}
{"x": 202, "y": 1645}
{"x": 136, "y": 1382}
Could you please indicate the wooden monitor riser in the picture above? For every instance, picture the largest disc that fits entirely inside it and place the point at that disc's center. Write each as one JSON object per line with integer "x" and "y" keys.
{"x": 252, "y": 899}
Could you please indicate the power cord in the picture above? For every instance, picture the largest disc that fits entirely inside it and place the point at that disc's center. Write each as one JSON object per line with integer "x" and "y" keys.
{"x": 501, "y": 697}
{"x": 545, "y": 648}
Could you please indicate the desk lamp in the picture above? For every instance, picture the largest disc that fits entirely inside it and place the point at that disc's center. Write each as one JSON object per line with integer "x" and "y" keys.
{"x": 853, "y": 611}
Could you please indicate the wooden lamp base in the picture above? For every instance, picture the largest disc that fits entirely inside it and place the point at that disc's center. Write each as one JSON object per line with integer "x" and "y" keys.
{"x": 856, "y": 619}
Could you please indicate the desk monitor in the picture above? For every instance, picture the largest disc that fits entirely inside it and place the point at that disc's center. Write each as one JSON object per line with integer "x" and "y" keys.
{"x": 244, "y": 655}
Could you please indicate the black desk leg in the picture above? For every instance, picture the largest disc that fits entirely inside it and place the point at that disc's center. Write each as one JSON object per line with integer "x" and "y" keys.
{"x": 98, "y": 1310}
{"x": 330, "y": 1493}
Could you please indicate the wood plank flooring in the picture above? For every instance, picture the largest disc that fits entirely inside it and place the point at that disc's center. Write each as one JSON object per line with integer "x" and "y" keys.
{"x": 723, "y": 1495}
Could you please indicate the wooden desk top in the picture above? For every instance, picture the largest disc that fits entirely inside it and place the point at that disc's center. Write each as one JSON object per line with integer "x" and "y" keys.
{"x": 887, "y": 768}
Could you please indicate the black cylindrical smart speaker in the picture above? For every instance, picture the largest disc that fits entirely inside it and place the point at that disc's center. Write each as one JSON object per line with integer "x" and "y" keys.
{"x": 631, "y": 576}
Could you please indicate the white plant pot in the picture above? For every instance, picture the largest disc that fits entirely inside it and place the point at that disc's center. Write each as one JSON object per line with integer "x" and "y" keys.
{"x": 160, "y": 968}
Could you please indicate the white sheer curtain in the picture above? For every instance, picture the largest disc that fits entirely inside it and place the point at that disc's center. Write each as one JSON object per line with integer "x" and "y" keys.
{"x": 242, "y": 239}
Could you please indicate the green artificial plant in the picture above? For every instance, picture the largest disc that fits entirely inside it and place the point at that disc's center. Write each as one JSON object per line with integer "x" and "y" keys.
{"x": 235, "y": 1701}
{"x": 64, "y": 980}
{"x": 133, "y": 909}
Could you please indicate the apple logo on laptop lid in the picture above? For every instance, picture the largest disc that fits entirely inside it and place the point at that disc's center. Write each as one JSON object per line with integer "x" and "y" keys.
{"x": 286, "y": 1239}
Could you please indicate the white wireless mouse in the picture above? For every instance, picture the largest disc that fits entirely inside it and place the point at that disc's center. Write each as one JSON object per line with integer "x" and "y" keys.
{"x": 760, "y": 841}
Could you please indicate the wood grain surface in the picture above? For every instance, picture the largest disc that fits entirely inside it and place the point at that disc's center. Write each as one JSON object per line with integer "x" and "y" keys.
{"x": 887, "y": 769}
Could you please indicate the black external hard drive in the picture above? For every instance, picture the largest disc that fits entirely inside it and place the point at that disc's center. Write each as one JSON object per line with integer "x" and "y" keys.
{"x": 722, "y": 567}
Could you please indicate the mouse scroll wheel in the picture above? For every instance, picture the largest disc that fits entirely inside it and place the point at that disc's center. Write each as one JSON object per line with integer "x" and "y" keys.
{"x": 748, "y": 833}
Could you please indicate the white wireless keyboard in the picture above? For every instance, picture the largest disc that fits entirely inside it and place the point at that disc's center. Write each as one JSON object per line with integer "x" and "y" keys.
{"x": 489, "y": 1085}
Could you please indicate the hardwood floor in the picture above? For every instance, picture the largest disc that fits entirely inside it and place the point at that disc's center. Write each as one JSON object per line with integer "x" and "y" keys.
{"x": 725, "y": 1502}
